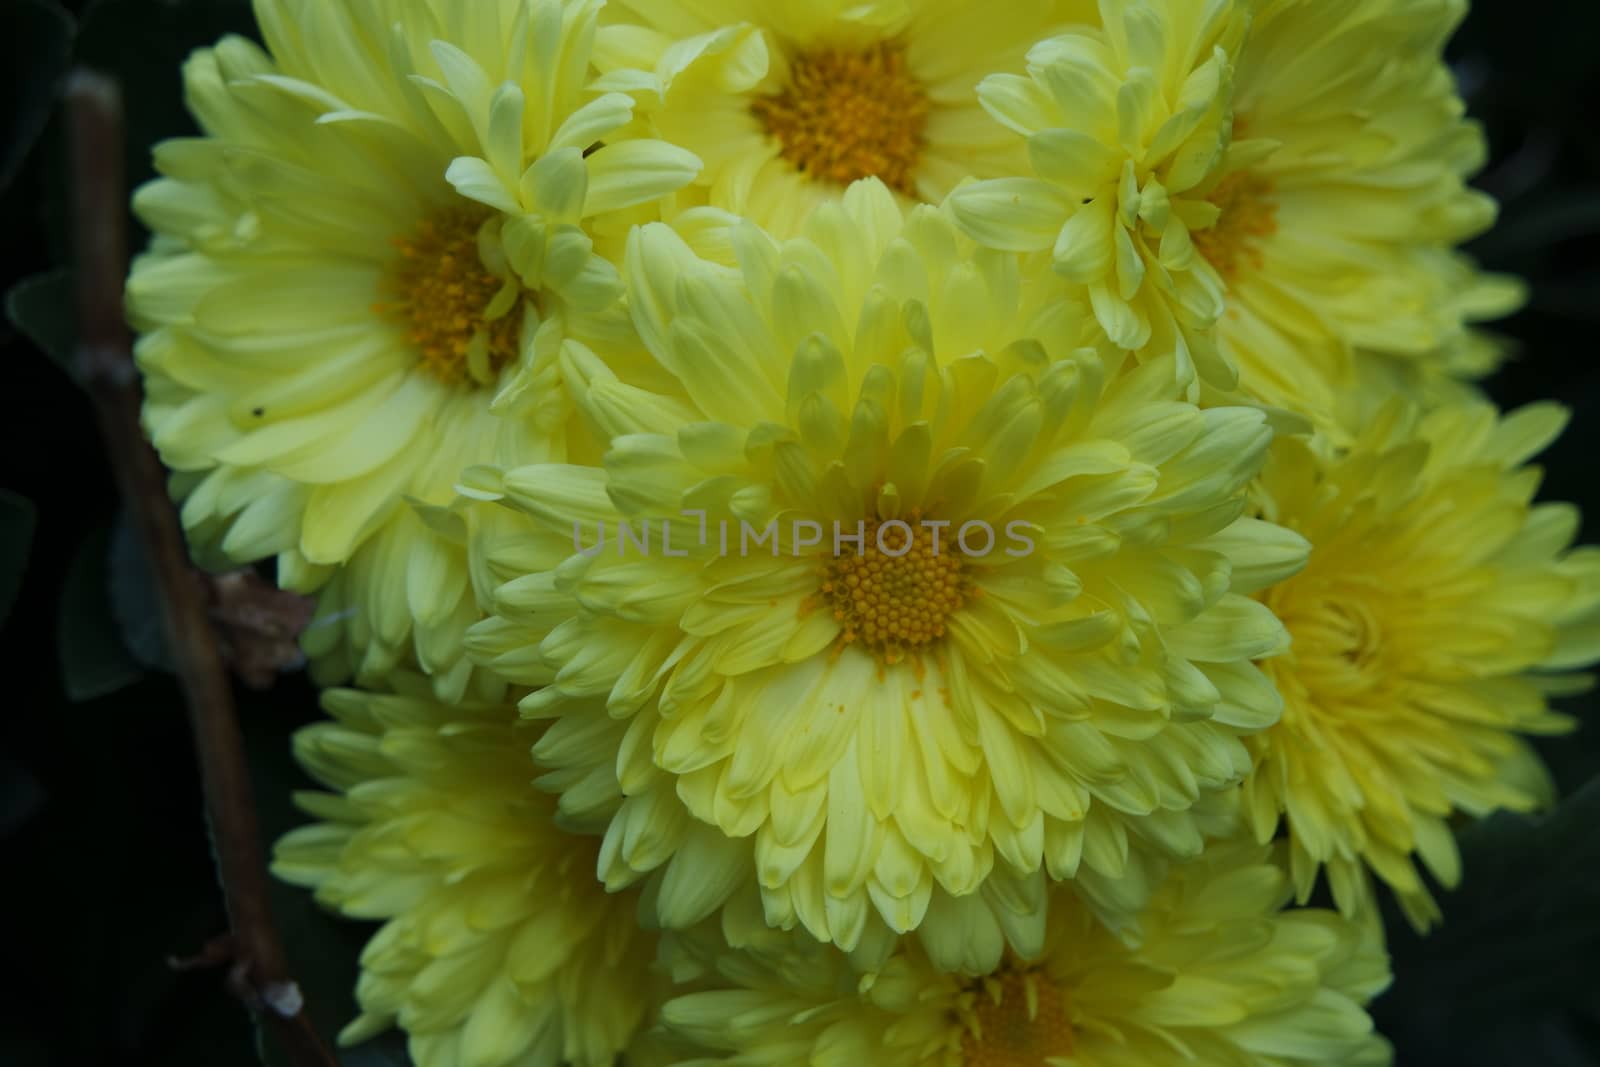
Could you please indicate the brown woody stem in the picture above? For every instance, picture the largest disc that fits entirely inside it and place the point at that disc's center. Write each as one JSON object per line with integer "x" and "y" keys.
{"x": 105, "y": 366}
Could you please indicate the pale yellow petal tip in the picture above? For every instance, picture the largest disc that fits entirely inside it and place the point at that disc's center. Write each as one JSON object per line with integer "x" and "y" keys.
{"x": 362, "y": 1028}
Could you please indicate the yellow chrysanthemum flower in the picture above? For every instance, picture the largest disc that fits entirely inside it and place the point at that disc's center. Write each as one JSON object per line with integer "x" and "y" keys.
{"x": 1221, "y": 976}
{"x": 967, "y": 603}
{"x": 788, "y": 103}
{"x": 1128, "y": 129}
{"x": 498, "y": 948}
{"x": 371, "y": 254}
{"x": 1336, "y": 242}
{"x": 1436, "y": 604}
{"x": 1295, "y": 178}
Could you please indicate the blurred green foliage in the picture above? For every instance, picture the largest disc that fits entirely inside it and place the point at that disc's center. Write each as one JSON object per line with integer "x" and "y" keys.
{"x": 102, "y": 840}
{"x": 1510, "y": 975}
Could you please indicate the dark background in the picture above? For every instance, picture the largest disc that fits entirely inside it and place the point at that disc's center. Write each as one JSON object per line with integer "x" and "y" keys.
{"x": 105, "y": 868}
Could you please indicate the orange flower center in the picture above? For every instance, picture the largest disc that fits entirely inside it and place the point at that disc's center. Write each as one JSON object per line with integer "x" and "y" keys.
{"x": 1014, "y": 1019}
{"x": 463, "y": 320}
{"x": 895, "y": 592}
{"x": 850, "y": 114}
{"x": 1249, "y": 214}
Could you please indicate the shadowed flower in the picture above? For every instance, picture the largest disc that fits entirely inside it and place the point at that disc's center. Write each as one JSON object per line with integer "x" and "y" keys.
{"x": 1220, "y": 976}
{"x": 497, "y": 949}
{"x": 1431, "y": 625}
{"x": 1336, "y": 239}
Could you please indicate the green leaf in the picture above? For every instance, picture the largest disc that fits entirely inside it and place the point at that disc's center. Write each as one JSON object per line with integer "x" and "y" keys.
{"x": 41, "y": 308}
{"x": 1513, "y": 973}
{"x": 24, "y": 1052}
{"x": 21, "y": 796}
{"x": 388, "y": 1050}
{"x": 37, "y": 45}
{"x": 17, "y": 521}
{"x": 94, "y": 659}
{"x": 136, "y": 598}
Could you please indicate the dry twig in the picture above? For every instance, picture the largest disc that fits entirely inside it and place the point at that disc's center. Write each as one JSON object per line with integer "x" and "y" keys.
{"x": 259, "y": 972}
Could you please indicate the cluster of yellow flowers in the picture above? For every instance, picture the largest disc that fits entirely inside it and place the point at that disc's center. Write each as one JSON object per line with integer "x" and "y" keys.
{"x": 897, "y": 531}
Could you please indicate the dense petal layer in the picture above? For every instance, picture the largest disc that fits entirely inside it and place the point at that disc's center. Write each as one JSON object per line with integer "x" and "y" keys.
{"x": 361, "y": 275}
{"x": 885, "y": 591}
{"x": 1220, "y": 976}
{"x": 497, "y": 948}
{"x": 788, "y": 103}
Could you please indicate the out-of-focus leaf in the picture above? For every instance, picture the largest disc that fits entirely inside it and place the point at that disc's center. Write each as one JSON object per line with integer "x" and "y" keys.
{"x": 388, "y": 1050}
{"x": 1513, "y": 974}
{"x": 20, "y": 797}
{"x": 17, "y": 520}
{"x": 135, "y": 598}
{"x": 36, "y": 41}
{"x": 23, "y": 1052}
{"x": 94, "y": 659}
{"x": 40, "y": 307}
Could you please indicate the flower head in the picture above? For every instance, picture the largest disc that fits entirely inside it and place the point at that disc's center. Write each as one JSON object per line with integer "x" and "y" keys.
{"x": 788, "y": 103}
{"x": 1336, "y": 239}
{"x": 1276, "y": 196}
{"x": 497, "y": 948}
{"x": 1129, "y": 131}
{"x": 1429, "y": 628}
{"x": 1221, "y": 976}
{"x": 373, "y": 251}
{"x": 966, "y": 604}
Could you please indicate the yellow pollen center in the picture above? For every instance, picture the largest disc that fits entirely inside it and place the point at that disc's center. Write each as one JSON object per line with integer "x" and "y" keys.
{"x": 1014, "y": 1019}
{"x": 463, "y": 320}
{"x": 850, "y": 114}
{"x": 892, "y": 602}
{"x": 1248, "y": 214}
